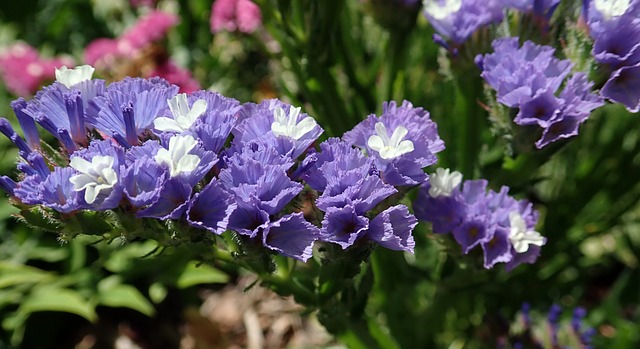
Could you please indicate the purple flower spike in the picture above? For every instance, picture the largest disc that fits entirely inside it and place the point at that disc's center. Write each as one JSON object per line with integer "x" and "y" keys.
{"x": 392, "y": 229}
{"x": 171, "y": 203}
{"x": 458, "y": 19}
{"x": 624, "y": 87}
{"x": 337, "y": 161}
{"x": 291, "y": 236}
{"x": 210, "y": 209}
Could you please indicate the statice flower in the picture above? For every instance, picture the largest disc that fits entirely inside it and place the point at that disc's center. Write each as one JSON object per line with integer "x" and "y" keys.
{"x": 277, "y": 125}
{"x": 127, "y": 108}
{"x": 351, "y": 188}
{"x": 23, "y": 70}
{"x": 457, "y": 20}
{"x": 528, "y": 78}
{"x": 61, "y": 107}
{"x": 401, "y": 142}
{"x": 235, "y": 15}
{"x": 541, "y": 8}
{"x": 256, "y": 177}
{"x": 502, "y": 226}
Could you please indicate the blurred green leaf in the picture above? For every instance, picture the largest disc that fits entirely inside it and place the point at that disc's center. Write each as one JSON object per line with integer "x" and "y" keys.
{"x": 54, "y": 298}
{"x": 195, "y": 274}
{"x": 113, "y": 293}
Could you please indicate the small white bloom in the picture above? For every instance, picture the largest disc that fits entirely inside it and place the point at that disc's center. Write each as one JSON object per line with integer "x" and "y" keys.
{"x": 390, "y": 148}
{"x": 177, "y": 157}
{"x": 612, "y": 8}
{"x": 441, "y": 9}
{"x": 444, "y": 182}
{"x": 70, "y": 77}
{"x": 288, "y": 126}
{"x": 183, "y": 116}
{"x": 97, "y": 176}
{"x": 520, "y": 237}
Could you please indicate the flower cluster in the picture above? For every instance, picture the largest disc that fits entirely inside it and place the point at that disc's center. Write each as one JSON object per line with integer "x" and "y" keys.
{"x": 550, "y": 332}
{"x": 502, "y": 226}
{"x": 528, "y": 77}
{"x": 135, "y": 48}
{"x": 23, "y": 70}
{"x": 615, "y": 28}
{"x": 456, "y": 20}
{"x": 235, "y": 15}
{"x": 140, "y": 147}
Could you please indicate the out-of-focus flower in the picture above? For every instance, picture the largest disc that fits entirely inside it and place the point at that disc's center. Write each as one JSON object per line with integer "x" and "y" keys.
{"x": 23, "y": 70}
{"x": 542, "y": 8}
{"x": 528, "y": 77}
{"x": 456, "y": 20}
{"x": 235, "y": 15}
{"x": 501, "y": 225}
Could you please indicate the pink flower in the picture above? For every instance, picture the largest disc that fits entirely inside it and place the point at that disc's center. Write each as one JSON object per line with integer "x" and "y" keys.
{"x": 152, "y": 27}
{"x": 232, "y": 15}
{"x": 23, "y": 70}
{"x": 101, "y": 51}
{"x": 177, "y": 76}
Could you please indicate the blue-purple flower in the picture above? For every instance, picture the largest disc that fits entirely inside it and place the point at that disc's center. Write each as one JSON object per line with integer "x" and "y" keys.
{"x": 401, "y": 142}
{"x": 456, "y": 20}
{"x": 502, "y": 226}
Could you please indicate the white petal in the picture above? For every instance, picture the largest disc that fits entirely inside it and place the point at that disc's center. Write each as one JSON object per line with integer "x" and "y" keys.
{"x": 376, "y": 143}
{"x": 166, "y": 125}
{"x": 187, "y": 163}
{"x": 179, "y": 105}
{"x": 90, "y": 194}
{"x": 404, "y": 147}
{"x": 398, "y": 134}
{"x": 81, "y": 181}
{"x": 198, "y": 108}
{"x": 381, "y": 130}
{"x": 305, "y": 126}
{"x": 80, "y": 164}
{"x": 70, "y": 77}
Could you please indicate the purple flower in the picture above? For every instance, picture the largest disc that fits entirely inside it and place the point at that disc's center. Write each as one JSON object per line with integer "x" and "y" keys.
{"x": 402, "y": 141}
{"x": 143, "y": 181}
{"x": 276, "y": 124}
{"x": 624, "y": 87}
{"x": 291, "y": 236}
{"x": 343, "y": 226}
{"x": 520, "y": 73}
{"x": 458, "y": 19}
{"x": 97, "y": 175}
{"x": 128, "y": 108}
{"x": 171, "y": 202}
{"x": 59, "y": 193}
{"x": 503, "y": 226}
{"x": 336, "y": 161}
{"x": 542, "y": 8}
{"x": 210, "y": 209}
{"x": 392, "y": 229}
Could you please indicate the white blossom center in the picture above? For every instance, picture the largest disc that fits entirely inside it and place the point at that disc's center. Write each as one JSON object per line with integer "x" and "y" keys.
{"x": 70, "y": 77}
{"x": 95, "y": 177}
{"x": 183, "y": 116}
{"x": 177, "y": 157}
{"x": 390, "y": 148}
{"x": 289, "y": 126}
{"x": 520, "y": 237}
{"x": 443, "y": 182}
{"x": 441, "y": 9}
{"x": 612, "y": 8}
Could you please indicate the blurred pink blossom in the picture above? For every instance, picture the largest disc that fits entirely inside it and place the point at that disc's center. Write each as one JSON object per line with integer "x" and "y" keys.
{"x": 177, "y": 76}
{"x": 152, "y": 27}
{"x": 24, "y": 71}
{"x": 232, "y": 15}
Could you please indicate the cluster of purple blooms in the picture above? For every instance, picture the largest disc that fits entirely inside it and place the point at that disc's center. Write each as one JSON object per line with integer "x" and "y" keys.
{"x": 140, "y": 147}
{"x": 615, "y": 28}
{"x": 456, "y": 20}
{"x": 550, "y": 333}
{"x": 528, "y": 78}
{"x": 501, "y": 225}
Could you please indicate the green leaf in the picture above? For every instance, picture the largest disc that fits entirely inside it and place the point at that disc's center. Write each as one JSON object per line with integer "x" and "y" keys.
{"x": 112, "y": 293}
{"x": 15, "y": 274}
{"x": 195, "y": 274}
{"x": 53, "y": 298}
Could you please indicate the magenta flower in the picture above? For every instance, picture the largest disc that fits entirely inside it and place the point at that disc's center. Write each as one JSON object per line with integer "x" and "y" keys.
{"x": 152, "y": 27}
{"x": 23, "y": 70}
{"x": 235, "y": 15}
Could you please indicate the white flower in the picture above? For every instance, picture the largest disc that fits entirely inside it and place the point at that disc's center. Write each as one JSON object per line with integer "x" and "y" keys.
{"x": 183, "y": 116}
{"x": 70, "y": 77}
{"x": 97, "y": 176}
{"x": 520, "y": 237}
{"x": 288, "y": 126}
{"x": 612, "y": 8}
{"x": 390, "y": 148}
{"x": 443, "y": 182}
{"x": 177, "y": 157}
{"x": 439, "y": 10}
